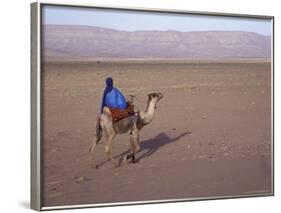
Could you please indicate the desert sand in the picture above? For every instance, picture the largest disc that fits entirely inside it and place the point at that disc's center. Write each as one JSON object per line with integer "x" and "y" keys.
{"x": 210, "y": 137}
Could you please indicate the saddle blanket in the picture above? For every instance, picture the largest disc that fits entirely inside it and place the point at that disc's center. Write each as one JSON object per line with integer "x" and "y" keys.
{"x": 118, "y": 114}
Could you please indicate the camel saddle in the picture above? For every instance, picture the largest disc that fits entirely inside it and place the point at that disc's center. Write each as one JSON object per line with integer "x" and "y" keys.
{"x": 118, "y": 114}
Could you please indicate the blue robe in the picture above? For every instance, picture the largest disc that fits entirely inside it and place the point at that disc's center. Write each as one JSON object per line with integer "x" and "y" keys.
{"x": 112, "y": 97}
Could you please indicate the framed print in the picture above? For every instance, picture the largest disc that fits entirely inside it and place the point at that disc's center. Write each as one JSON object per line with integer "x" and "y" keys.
{"x": 138, "y": 105}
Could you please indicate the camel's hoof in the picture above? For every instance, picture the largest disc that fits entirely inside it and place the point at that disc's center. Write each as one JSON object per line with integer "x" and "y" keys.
{"x": 134, "y": 161}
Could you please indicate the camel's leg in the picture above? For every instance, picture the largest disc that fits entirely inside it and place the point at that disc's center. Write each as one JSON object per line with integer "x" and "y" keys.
{"x": 96, "y": 140}
{"x": 92, "y": 150}
{"x": 134, "y": 141}
{"x": 108, "y": 147}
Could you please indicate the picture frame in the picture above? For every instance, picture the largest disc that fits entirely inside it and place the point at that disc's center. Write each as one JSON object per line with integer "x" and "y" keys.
{"x": 38, "y": 104}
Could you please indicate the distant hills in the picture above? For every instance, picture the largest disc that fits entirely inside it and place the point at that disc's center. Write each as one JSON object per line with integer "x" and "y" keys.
{"x": 67, "y": 41}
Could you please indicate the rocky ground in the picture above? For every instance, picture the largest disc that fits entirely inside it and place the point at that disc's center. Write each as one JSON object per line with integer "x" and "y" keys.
{"x": 210, "y": 137}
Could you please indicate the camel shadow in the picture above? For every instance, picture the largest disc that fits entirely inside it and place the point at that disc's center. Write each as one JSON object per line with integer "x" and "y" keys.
{"x": 149, "y": 147}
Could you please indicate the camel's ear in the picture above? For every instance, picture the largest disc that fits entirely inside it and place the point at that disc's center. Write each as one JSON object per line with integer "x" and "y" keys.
{"x": 150, "y": 95}
{"x": 153, "y": 95}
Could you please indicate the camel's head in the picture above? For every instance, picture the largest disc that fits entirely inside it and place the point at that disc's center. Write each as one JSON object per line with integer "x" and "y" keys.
{"x": 155, "y": 97}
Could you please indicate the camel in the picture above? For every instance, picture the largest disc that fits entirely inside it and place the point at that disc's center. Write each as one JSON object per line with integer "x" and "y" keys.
{"x": 132, "y": 125}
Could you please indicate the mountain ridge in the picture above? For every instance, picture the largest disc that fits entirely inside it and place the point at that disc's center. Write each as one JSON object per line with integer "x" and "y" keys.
{"x": 98, "y": 42}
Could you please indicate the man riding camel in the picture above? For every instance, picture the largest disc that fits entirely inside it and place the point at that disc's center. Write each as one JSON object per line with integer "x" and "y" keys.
{"x": 112, "y": 97}
{"x": 116, "y": 102}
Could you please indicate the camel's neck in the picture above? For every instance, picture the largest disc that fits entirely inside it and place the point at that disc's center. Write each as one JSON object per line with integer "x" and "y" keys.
{"x": 150, "y": 109}
{"x": 147, "y": 116}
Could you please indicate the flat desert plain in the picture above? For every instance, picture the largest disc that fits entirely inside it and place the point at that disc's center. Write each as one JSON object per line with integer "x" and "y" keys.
{"x": 210, "y": 137}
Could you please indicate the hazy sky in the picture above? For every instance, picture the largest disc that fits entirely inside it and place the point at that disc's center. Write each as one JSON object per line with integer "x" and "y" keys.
{"x": 138, "y": 20}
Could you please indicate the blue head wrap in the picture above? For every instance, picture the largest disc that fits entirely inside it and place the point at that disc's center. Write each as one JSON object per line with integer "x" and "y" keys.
{"x": 109, "y": 82}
